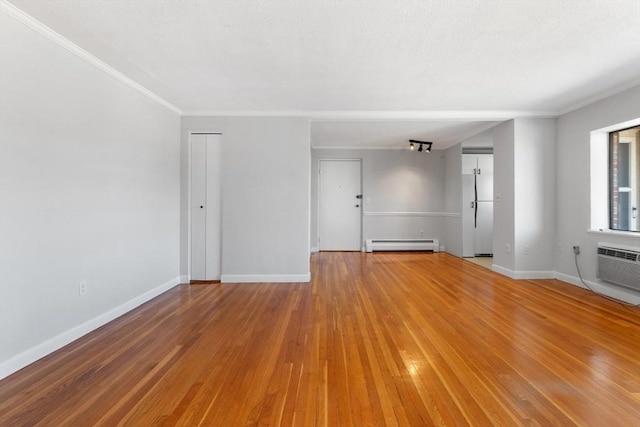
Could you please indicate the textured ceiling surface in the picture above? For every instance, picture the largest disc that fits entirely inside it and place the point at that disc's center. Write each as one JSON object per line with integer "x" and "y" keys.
{"x": 306, "y": 56}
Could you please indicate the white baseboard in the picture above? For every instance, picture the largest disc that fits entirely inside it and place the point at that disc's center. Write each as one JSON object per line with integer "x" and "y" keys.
{"x": 628, "y": 296}
{"x": 29, "y": 356}
{"x": 265, "y": 278}
{"x": 502, "y": 270}
{"x": 315, "y": 249}
{"x": 573, "y": 280}
{"x": 523, "y": 275}
{"x": 535, "y": 275}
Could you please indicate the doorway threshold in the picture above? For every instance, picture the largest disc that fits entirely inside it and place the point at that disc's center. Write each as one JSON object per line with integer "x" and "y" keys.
{"x": 483, "y": 261}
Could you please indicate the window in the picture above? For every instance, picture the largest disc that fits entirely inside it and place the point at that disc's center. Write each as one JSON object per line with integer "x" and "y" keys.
{"x": 624, "y": 179}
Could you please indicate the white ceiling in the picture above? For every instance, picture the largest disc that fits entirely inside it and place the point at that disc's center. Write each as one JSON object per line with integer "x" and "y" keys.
{"x": 392, "y": 133}
{"x": 467, "y": 62}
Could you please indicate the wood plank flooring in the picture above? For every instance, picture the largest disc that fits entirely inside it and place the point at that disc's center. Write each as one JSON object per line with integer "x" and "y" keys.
{"x": 408, "y": 339}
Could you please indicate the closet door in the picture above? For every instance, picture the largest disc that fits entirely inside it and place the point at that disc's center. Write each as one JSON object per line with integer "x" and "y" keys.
{"x": 206, "y": 218}
{"x": 213, "y": 220}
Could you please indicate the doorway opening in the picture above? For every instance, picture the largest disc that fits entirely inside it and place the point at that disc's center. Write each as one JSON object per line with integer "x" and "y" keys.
{"x": 477, "y": 204}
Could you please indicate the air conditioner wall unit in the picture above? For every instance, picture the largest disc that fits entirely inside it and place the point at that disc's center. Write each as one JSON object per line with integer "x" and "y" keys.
{"x": 619, "y": 266}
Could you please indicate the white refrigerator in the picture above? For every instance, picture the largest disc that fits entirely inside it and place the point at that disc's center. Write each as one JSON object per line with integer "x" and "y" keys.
{"x": 477, "y": 181}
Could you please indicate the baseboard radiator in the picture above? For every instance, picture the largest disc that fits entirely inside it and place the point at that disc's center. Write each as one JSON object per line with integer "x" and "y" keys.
{"x": 402, "y": 245}
{"x": 619, "y": 266}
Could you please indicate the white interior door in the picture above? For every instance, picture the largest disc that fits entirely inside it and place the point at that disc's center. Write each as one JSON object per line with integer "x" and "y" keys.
{"x": 198, "y": 203}
{"x": 340, "y": 213}
{"x": 206, "y": 213}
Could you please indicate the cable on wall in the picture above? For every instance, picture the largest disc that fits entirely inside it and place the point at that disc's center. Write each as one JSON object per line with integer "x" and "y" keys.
{"x": 576, "y": 252}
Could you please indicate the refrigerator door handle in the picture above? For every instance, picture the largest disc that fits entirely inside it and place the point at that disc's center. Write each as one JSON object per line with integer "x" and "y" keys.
{"x": 475, "y": 198}
{"x": 475, "y": 216}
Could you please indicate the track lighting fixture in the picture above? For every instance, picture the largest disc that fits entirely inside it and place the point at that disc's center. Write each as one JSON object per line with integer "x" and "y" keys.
{"x": 427, "y": 145}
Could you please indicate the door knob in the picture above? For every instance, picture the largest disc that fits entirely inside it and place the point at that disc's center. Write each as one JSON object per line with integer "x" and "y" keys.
{"x": 357, "y": 206}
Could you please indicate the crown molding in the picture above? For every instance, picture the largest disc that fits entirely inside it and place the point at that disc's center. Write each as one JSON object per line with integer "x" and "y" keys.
{"x": 329, "y": 115}
{"x": 65, "y": 43}
{"x": 602, "y": 95}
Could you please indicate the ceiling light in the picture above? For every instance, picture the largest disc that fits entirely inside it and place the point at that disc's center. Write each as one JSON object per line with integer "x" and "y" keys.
{"x": 427, "y": 144}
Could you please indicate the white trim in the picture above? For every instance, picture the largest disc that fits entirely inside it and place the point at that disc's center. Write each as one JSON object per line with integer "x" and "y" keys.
{"x": 324, "y": 115}
{"x": 415, "y": 214}
{"x": 315, "y": 249}
{"x": 523, "y": 275}
{"x": 602, "y": 95}
{"x": 624, "y": 234}
{"x": 600, "y": 287}
{"x": 618, "y": 126}
{"x": 185, "y": 279}
{"x": 65, "y": 43}
{"x": 599, "y": 178}
{"x": 613, "y": 291}
{"x": 266, "y": 278}
{"x": 41, "y": 350}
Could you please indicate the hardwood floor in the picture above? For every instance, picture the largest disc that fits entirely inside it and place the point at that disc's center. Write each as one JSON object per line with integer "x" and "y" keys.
{"x": 409, "y": 339}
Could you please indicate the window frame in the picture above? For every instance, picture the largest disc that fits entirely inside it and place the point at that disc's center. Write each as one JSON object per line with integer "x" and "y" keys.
{"x": 612, "y": 204}
{"x": 599, "y": 179}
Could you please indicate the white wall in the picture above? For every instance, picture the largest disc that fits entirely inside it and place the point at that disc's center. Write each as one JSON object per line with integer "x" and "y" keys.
{"x": 524, "y": 178}
{"x": 406, "y": 190}
{"x": 534, "y": 197}
{"x": 265, "y": 196}
{"x": 453, "y": 199}
{"x": 503, "y": 185}
{"x": 481, "y": 140}
{"x": 573, "y": 189}
{"x": 89, "y": 191}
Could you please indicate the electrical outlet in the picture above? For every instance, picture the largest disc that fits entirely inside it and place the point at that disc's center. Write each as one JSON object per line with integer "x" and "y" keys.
{"x": 422, "y": 232}
{"x": 507, "y": 248}
{"x": 576, "y": 249}
{"x": 82, "y": 287}
{"x": 526, "y": 249}
{"x": 498, "y": 197}
{"x": 560, "y": 248}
